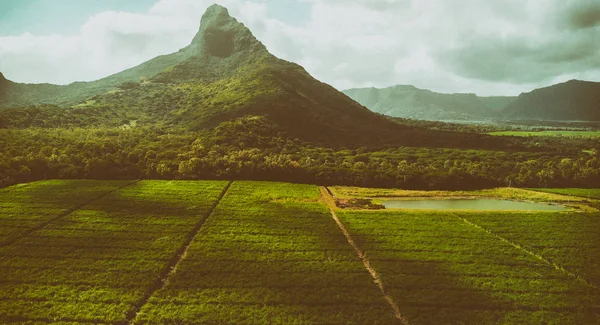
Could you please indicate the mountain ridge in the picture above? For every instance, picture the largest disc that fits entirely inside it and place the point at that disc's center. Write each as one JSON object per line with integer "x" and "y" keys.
{"x": 408, "y": 101}
{"x": 573, "y": 100}
{"x": 576, "y": 100}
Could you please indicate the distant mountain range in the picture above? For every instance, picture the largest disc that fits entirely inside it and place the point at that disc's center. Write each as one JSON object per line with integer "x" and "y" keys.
{"x": 573, "y": 100}
{"x": 414, "y": 103}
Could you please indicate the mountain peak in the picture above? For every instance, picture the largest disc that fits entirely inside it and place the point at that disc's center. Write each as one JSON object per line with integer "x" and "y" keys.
{"x": 221, "y": 35}
{"x": 216, "y": 10}
{"x": 2, "y": 78}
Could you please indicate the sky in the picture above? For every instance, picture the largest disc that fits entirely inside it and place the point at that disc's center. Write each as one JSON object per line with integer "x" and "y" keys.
{"x": 500, "y": 47}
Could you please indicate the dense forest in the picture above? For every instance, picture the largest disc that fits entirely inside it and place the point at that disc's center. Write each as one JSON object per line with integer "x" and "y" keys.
{"x": 252, "y": 148}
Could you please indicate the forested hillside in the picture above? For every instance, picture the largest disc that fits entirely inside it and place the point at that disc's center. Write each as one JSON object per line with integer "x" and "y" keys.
{"x": 224, "y": 107}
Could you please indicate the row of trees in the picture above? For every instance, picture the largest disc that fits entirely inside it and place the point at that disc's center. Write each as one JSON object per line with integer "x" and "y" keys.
{"x": 101, "y": 153}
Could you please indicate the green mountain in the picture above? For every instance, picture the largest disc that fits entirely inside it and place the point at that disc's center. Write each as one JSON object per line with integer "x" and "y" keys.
{"x": 225, "y": 74}
{"x": 213, "y": 39}
{"x": 414, "y": 103}
{"x": 574, "y": 100}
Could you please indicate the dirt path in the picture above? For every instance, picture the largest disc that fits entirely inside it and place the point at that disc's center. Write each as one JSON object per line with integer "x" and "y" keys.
{"x": 329, "y": 201}
{"x": 532, "y": 253}
{"x": 64, "y": 214}
{"x": 171, "y": 268}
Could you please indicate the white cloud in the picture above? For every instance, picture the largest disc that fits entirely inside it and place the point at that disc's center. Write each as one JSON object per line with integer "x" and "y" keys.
{"x": 107, "y": 43}
{"x": 347, "y": 43}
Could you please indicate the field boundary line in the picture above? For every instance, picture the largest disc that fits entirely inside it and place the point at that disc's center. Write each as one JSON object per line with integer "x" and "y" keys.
{"x": 64, "y": 214}
{"x": 179, "y": 256}
{"x": 532, "y": 253}
{"x": 329, "y": 201}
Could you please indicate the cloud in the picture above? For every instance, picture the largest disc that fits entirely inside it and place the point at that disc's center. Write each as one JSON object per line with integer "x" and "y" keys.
{"x": 537, "y": 54}
{"x": 523, "y": 60}
{"x": 583, "y": 14}
{"x": 107, "y": 43}
{"x": 110, "y": 42}
{"x": 499, "y": 47}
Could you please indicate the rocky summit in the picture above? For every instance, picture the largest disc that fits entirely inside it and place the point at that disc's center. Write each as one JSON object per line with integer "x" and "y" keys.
{"x": 221, "y": 35}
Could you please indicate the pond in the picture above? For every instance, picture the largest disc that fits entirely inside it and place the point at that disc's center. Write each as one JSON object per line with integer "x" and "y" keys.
{"x": 472, "y": 204}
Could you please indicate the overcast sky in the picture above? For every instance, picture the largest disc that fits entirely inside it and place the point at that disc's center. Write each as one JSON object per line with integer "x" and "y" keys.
{"x": 499, "y": 47}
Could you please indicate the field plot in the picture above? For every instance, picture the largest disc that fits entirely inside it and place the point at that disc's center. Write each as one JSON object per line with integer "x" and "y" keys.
{"x": 441, "y": 270}
{"x": 96, "y": 263}
{"x": 571, "y": 241}
{"x": 591, "y": 193}
{"x": 269, "y": 254}
{"x": 25, "y": 207}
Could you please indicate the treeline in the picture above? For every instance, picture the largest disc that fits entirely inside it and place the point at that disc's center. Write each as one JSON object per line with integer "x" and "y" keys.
{"x": 264, "y": 154}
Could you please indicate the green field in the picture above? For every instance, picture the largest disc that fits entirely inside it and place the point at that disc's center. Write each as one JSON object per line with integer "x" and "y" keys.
{"x": 215, "y": 252}
{"x": 442, "y": 270}
{"x": 96, "y": 263}
{"x": 565, "y": 134}
{"x": 589, "y": 193}
{"x": 269, "y": 254}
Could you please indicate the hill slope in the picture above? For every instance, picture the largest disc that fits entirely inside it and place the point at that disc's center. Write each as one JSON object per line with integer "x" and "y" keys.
{"x": 411, "y": 102}
{"x": 573, "y": 100}
{"x": 223, "y": 75}
{"x": 14, "y": 94}
{"x": 218, "y": 32}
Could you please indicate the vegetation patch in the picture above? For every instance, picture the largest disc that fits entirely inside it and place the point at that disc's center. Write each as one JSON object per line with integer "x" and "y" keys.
{"x": 443, "y": 270}
{"x": 586, "y": 193}
{"x": 358, "y": 204}
{"x": 269, "y": 254}
{"x": 94, "y": 264}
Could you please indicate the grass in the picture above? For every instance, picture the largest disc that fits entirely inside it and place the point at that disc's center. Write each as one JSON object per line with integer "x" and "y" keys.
{"x": 442, "y": 270}
{"x": 572, "y": 242}
{"x": 95, "y": 263}
{"x": 270, "y": 253}
{"x": 565, "y": 134}
{"x": 25, "y": 207}
{"x": 588, "y": 193}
